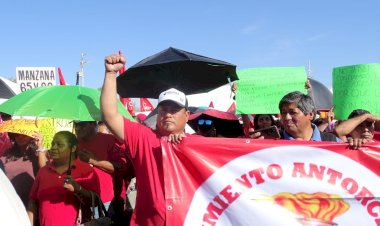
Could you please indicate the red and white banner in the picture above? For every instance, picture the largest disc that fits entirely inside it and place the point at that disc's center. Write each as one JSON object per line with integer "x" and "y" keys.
{"x": 218, "y": 181}
{"x": 232, "y": 108}
{"x": 145, "y": 105}
{"x": 128, "y": 103}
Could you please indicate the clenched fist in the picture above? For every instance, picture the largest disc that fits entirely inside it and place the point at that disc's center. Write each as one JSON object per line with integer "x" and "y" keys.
{"x": 113, "y": 63}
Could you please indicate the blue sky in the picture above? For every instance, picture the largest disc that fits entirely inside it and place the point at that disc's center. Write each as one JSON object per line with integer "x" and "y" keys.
{"x": 246, "y": 33}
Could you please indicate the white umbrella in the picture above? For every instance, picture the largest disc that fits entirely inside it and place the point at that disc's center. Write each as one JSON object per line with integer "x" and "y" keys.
{"x": 7, "y": 89}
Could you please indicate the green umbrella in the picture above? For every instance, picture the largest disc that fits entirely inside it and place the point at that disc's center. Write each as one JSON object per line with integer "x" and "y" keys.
{"x": 65, "y": 102}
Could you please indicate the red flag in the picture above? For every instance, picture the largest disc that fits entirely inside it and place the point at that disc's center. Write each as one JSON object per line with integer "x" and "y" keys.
{"x": 61, "y": 78}
{"x": 211, "y": 105}
{"x": 128, "y": 103}
{"x": 123, "y": 69}
{"x": 232, "y": 107}
{"x": 145, "y": 105}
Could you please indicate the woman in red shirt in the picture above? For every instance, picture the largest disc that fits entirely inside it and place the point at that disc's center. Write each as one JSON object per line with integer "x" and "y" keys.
{"x": 60, "y": 187}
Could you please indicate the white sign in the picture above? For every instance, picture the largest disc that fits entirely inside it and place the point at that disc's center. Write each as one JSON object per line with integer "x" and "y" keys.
{"x": 33, "y": 77}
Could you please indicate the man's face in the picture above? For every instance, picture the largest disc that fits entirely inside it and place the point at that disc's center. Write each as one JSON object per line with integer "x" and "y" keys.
{"x": 294, "y": 120}
{"x": 171, "y": 118}
{"x": 364, "y": 130}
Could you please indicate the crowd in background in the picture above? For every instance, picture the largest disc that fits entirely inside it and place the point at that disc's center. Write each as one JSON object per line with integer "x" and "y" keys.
{"x": 121, "y": 162}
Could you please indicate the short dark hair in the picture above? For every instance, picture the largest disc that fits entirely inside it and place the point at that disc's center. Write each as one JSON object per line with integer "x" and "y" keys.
{"x": 358, "y": 112}
{"x": 318, "y": 121}
{"x": 256, "y": 120}
{"x": 82, "y": 123}
{"x": 70, "y": 137}
{"x": 304, "y": 102}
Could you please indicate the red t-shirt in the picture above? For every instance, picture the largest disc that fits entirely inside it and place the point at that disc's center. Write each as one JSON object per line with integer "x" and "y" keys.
{"x": 145, "y": 150}
{"x": 376, "y": 136}
{"x": 57, "y": 205}
{"x": 101, "y": 146}
{"x": 124, "y": 171}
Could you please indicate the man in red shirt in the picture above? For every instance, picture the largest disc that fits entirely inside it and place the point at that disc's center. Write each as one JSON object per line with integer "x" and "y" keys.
{"x": 108, "y": 157}
{"x": 93, "y": 148}
{"x": 144, "y": 143}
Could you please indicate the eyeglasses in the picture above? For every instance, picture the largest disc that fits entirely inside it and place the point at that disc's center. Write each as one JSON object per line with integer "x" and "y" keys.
{"x": 207, "y": 122}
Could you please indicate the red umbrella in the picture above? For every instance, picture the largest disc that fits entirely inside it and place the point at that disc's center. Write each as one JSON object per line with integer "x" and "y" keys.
{"x": 215, "y": 114}
{"x": 226, "y": 124}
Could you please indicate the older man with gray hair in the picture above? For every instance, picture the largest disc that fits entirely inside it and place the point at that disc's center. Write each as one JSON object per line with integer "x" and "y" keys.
{"x": 297, "y": 113}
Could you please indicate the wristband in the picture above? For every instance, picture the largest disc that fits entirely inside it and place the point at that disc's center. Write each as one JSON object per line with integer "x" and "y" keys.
{"x": 41, "y": 150}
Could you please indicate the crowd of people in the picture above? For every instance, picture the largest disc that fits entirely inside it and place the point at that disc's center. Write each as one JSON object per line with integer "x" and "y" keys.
{"x": 117, "y": 156}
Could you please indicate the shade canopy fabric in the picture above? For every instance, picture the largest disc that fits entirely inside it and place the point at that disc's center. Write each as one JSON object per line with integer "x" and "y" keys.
{"x": 322, "y": 96}
{"x": 64, "y": 102}
{"x": 174, "y": 68}
{"x": 7, "y": 89}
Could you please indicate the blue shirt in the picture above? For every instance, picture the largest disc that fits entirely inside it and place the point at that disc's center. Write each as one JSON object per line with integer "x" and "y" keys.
{"x": 316, "y": 136}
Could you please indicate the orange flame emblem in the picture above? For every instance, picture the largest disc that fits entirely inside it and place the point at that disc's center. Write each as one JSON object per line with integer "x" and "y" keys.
{"x": 317, "y": 206}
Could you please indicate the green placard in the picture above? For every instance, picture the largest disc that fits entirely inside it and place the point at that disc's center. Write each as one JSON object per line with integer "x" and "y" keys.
{"x": 261, "y": 89}
{"x": 356, "y": 87}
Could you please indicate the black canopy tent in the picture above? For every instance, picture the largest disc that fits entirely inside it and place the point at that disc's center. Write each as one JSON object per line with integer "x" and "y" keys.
{"x": 174, "y": 68}
{"x": 322, "y": 96}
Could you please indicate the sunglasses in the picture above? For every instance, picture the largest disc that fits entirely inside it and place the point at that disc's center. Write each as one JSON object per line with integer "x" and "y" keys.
{"x": 207, "y": 122}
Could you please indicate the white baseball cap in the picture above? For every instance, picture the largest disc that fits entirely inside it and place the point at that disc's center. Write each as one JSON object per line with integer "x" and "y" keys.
{"x": 173, "y": 95}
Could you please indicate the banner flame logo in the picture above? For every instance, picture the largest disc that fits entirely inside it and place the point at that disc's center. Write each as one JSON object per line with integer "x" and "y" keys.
{"x": 317, "y": 207}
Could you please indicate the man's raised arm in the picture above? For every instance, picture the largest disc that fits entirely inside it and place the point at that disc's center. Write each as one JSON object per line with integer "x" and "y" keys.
{"x": 108, "y": 98}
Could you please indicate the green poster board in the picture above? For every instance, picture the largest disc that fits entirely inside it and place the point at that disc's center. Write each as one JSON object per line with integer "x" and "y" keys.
{"x": 261, "y": 89}
{"x": 356, "y": 87}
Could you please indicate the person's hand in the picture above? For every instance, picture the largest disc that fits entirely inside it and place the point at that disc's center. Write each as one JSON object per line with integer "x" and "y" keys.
{"x": 308, "y": 84}
{"x": 113, "y": 63}
{"x": 176, "y": 138}
{"x": 38, "y": 140}
{"x": 373, "y": 118}
{"x": 330, "y": 115}
{"x": 356, "y": 143}
{"x": 256, "y": 135}
{"x": 71, "y": 185}
{"x": 85, "y": 156}
{"x": 234, "y": 87}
